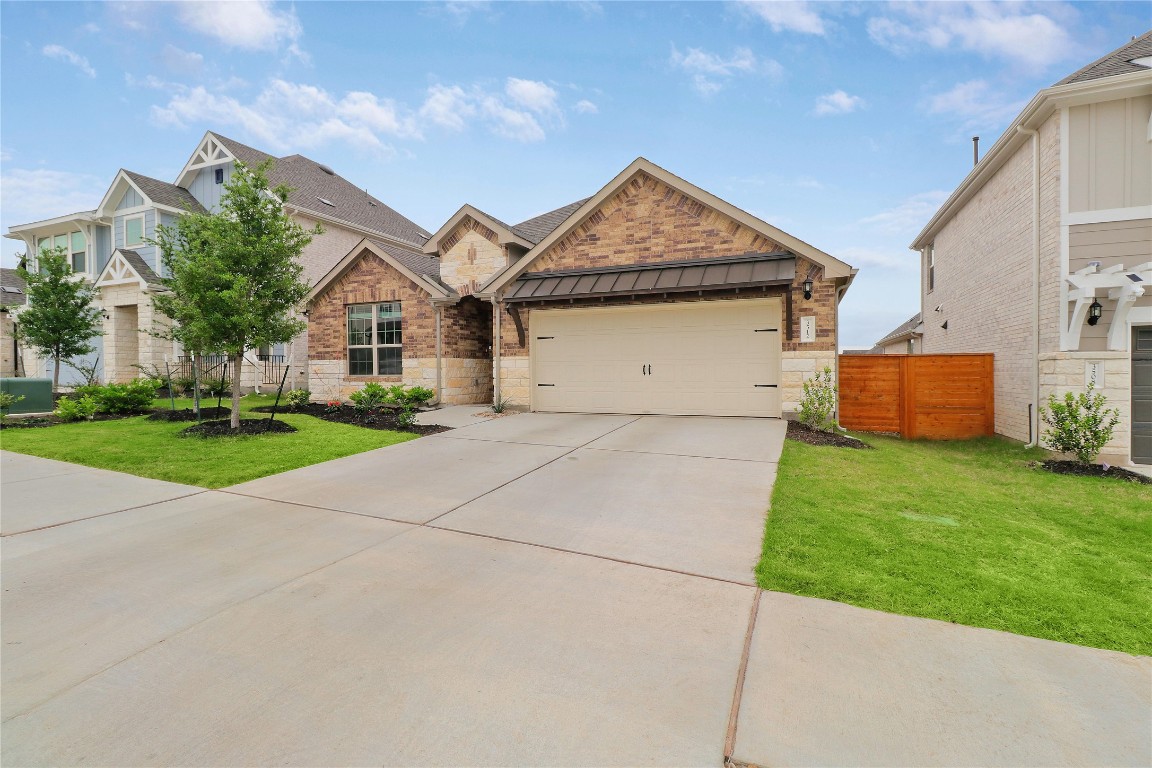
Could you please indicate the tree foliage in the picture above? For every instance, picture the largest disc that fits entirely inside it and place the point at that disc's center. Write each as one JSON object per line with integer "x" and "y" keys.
{"x": 234, "y": 277}
{"x": 59, "y": 320}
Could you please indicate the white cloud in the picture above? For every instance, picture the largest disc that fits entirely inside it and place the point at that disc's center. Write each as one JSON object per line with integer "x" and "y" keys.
{"x": 180, "y": 61}
{"x": 1024, "y": 33}
{"x": 784, "y": 16}
{"x": 510, "y": 123}
{"x": 61, "y": 53}
{"x": 532, "y": 95}
{"x": 586, "y": 107}
{"x": 253, "y": 25}
{"x": 977, "y": 105}
{"x": 459, "y": 10}
{"x": 909, "y": 217}
{"x": 807, "y": 182}
{"x": 34, "y": 195}
{"x": 710, "y": 70}
{"x": 448, "y": 106}
{"x": 838, "y": 103}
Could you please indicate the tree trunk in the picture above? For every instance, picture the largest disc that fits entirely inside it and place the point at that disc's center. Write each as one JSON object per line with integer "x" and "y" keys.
{"x": 56, "y": 375}
{"x": 236, "y": 370}
{"x": 196, "y": 385}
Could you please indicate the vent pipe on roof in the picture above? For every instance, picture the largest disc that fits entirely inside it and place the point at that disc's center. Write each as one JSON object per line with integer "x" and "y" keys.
{"x": 975, "y": 151}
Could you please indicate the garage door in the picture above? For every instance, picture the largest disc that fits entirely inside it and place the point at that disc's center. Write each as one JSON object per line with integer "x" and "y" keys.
{"x": 1142, "y": 396}
{"x": 712, "y": 358}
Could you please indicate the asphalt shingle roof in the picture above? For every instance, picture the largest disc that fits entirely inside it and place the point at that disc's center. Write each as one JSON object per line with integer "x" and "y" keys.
{"x": 1119, "y": 62}
{"x": 11, "y": 288}
{"x": 141, "y": 267}
{"x": 902, "y": 329}
{"x": 163, "y": 193}
{"x": 539, "y": 227}
{"x": 311, "y": 185}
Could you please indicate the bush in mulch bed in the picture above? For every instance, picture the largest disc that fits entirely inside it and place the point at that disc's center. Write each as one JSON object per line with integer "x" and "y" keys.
{"x": 187, "y": 414}
{"x": 806, "y": 434}
{"x": 375, "y": 418}
{"x": 223, "y": 428}
{"x": 1092, "y": 470}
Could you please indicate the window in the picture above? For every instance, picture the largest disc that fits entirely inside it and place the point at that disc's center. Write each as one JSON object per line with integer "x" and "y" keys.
{"x": 375, "y": 346}
{"x": 73, "y": 246}
{"x": 930, "y": 266}
{"x": 219, "y": 175}
{"x": 133, "y": 231}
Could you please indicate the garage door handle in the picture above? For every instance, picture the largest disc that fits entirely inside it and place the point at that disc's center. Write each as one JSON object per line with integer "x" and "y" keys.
{"x": 766, "y": 330}
{"x": 773, "y": 386}
{"x": 545, "y": 385}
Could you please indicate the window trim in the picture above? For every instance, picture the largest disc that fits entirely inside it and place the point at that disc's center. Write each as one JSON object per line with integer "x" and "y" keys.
{"x": 143, "y": 231}
{"x": 374, "y": 346}
{"x": 69, "y": 254}
{"x": 930, "y": 265}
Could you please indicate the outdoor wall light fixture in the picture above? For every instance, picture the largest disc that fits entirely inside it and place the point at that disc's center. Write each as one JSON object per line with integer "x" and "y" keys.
{"x": 808, "y": 288}
{"x": 1095, "y": 310}
{"x": 107, "y": 316}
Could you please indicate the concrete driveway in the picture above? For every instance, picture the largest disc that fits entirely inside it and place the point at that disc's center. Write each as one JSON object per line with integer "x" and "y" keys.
{"x": 530, "y": 590}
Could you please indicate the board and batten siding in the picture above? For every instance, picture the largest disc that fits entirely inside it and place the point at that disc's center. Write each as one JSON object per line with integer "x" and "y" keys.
{"x": 1109, "y": 154}
{"x": 205, "y": 189}
{"x": 102, "y": 247}
{"x": 1128, "y": 243}
{"x": 147, "y": 252}
{"x": 131, "y": 199}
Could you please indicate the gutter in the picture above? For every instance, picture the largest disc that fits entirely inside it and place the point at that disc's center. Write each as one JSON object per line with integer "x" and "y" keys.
{"x": 1033, "y": 417}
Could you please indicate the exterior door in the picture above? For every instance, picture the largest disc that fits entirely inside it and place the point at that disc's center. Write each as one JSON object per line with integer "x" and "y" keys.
{"x": 1142, "y": 395}
{"x": 712, "y": 358}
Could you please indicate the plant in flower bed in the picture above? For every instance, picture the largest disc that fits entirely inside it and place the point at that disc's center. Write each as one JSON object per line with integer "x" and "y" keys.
{"x": 297, "y": 399}
{"x": 375, "y": 406}
{"x": 1081, "y": 424}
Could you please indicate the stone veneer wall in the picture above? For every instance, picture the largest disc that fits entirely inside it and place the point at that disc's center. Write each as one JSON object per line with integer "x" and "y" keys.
{"x": 469, "y": 256}
{"x": 1062, "y": 372}
{"x": 119, "y": 339}
{"x": 8, "y": 357}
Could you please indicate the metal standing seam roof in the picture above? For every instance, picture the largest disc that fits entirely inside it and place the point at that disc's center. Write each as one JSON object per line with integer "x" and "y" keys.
{"x": 1118, "y": 62}
{"x": 163, "y": 193}
{"x": 750, "y": 270}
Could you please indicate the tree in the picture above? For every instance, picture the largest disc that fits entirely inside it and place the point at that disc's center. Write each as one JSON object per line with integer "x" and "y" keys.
{"x": 235, "y": 276}
{"x": 59, "y": 320}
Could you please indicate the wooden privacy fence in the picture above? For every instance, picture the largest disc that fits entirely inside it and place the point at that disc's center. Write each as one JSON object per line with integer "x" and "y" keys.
{"x": 934, "y": 396}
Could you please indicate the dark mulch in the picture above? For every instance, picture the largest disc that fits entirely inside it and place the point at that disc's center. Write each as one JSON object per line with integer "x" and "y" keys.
{"x": 187, "y": 414}
{"x": 32, "y": 422}
{"x": 805, "y": 434}
{"x": 378, "y": 418}
{"x": 1093, "y": 470}
{"x": 223, "y": 428}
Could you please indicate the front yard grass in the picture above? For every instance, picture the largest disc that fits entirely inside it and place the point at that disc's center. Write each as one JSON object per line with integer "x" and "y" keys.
{"x": 152, "y": 449}
{"x": 965, "y": 532}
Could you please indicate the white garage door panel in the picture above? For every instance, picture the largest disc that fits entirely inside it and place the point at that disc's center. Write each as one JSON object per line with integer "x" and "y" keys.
{"x": 704, "y": 358}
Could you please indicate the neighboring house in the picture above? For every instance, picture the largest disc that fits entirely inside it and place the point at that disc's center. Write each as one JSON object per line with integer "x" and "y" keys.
{"x": 109, "y": 247}
{"x": 1043, "y": 255}
{"x": 652, "y": 296}
{"x": 11, "y": 299}
{"x": 904, "y": 340}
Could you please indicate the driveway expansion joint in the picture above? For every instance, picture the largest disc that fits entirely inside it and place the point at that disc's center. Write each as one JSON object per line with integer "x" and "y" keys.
{"x": 738, "y": 693}
{"x": 682, "y": 455}
{"x": 105, "y": 514}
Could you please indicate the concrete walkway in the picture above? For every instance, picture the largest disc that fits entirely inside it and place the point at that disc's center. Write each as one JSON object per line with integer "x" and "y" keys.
{"x": 527, "y": 590}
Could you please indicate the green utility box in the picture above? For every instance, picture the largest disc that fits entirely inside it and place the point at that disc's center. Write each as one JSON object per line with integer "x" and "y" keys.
{"x": 37, "y": 394}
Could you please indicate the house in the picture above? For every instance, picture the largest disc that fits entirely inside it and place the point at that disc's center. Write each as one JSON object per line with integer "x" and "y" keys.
{"x": 1043, "y": 254}
{"x": 905, "y": 339}
{"x": 109, "y": 247}
{"x": 651, "y": 296}
{"x": 11, "y": 297}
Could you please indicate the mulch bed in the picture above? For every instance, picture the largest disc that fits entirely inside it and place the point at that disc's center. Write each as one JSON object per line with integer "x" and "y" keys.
{"x": 1093, "y": 470}
{"x": 187, "y": 414}
{"x": 223, "y": 428}
{"x": 377, "y": 418}
{"x": 805, "y": 434}
{"x": 33, "y": 422}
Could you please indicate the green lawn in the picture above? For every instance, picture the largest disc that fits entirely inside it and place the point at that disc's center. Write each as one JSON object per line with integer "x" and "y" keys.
{"x": 153, "y": 449}
{"x": 964, "y": 532}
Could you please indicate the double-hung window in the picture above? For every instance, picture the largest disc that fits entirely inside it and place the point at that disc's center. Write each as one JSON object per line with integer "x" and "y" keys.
{"x": 375, "y": 339}
{"x": 73, "y": 246}
{"x": 134, "y": 232}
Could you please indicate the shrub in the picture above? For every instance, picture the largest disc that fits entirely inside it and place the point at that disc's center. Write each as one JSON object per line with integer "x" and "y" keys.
{"x": 132, "y": 397}
{"x": 372, "y": 396}
{"x": 1079, "y": 424}
{"x": 409, "y": 397}
{"x": 406, "y": 418}
{"x": 81, "y": 409}
{"x": 502, "y": 404}
{"x": 819, "y": 401}
{"x": 216, "y": 387}
{"x": 183, "y": 384}
{"x": 298, "y": 398}
{"x": 7, "y": 400}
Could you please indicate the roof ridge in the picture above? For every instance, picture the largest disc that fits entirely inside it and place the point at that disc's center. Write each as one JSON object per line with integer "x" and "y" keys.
{"x": 1106, "y": 57}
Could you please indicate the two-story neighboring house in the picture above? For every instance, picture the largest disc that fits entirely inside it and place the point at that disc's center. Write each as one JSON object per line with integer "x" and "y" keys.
{"x": 109, "y": 246}
{"x": 1043, "y": 254}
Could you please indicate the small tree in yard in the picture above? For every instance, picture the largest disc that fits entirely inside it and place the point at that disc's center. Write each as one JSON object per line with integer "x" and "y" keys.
{"x": 235, "y": 276}
{"x": 59, "y": 320}
{"x": 1079, "y": 424}
{"x": 819, "y": 402}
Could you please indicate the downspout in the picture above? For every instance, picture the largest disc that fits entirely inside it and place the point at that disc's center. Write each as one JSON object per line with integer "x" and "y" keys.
{"x": 496, "y": 310}
{"x": 1033, "y": 417}
{"x": 836, "y": 343}
{"x": 439, "y": 356}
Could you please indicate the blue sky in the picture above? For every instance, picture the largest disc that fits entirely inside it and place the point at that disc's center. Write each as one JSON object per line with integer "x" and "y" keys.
{"x": 844, "y": 124}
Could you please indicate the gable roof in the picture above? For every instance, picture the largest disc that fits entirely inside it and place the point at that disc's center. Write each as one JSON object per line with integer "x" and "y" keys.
{"x": 1118, "y": 62}
{"x": 163, "y": 193}
{"x": 11, "y": 288}
{"x": 422, "y": 270}
{"x": 539, "y": 227}
{"x": 906, "y": 329}
{"x": 113, "y": 273}
{"x": 504, "y": 232}
{"x": 833, "y": 267}
{"x": 312, "y": 183}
